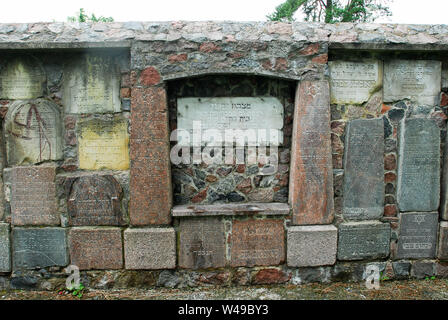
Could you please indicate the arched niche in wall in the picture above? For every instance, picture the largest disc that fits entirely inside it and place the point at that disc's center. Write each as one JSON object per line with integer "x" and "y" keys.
{"x": 235, "y": 102}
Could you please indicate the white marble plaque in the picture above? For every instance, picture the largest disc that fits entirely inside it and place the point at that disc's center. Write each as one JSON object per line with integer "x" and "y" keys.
{"x": 92, "y": 85}
{"x": 354, "y": 82}
{"x": 33, "y": 132}
{"x": 22, "y": 78}
{"x": 417, "y": 80}
{"x": 222, "y": 114}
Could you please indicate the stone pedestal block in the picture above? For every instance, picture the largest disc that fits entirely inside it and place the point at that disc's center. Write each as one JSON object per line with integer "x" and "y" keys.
{"x": 150, "y": 248}
{"x": 5, "y": 248}
{"x": 363, "y": 240}
{"x": 96, "y": 248}
{"x": 309, "y": 246}
{"x": 39, "y": 247}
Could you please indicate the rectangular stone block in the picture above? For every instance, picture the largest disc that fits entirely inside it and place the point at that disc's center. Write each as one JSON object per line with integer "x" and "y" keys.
{"x": 202, "y": 243}
{"x": 363, "y": 240}
{"x": 91, "y": 85}
{"x": 310, "y": 246}
{"x": 417, "y": 235}
{"x": 22, "y": 78}
{"x": 150, "y": 181}
{"x": 257, "y": 243}
{"x": 311, "y": 174}
{"x": 236, "y": 113}
{"x": 5, "y": 248}
{"x": 33, "y": 132}
{"x": 94, "y": 200}
{"x": 354, "y": 82}
{"x": 150, "y": 248}
{"x": 103, "y": 144}
{"x": 39, "y": 247}
{"x": 96, "y": 248}
{"x": 417, "y": 80}
{"x": 418, "y": 186}
{"x": 364, "y": 170}
{"x": 444, "y": 185}
{"x": 33, "y": 196}
{"x": 442, "y": 252}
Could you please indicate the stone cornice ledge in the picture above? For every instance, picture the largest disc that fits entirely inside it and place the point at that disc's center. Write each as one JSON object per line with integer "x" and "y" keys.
{"x": 58, "y": 35}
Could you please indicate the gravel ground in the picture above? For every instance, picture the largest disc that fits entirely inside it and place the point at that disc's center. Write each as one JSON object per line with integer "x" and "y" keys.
{"x": 389, "y": 290}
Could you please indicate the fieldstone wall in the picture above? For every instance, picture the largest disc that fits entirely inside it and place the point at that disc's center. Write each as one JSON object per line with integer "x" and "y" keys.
{"x": 88, "y": 110}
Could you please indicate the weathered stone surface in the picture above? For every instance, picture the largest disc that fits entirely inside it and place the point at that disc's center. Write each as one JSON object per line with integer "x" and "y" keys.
{"x": 103, "y": 144}
{"x": 150, "y": 248}
{"x": 39, "y": 247}
{"x": 237, "y": 113}
{"x": 96, "y": 248}
{"x": 418, "y": 80}
{"x": 33, "y": 132}
{"x": 150, "y": 182}
{"x": 354, "y": 82}
{"x": 94, "y": 200}
{"x": 257, "y": 243}
{"x": 5, "y": 252}
{"x": 202, "y": 243}
{"x": 417, "y": 235}
{"x": 91, "y": 85}
{"x": 444, "y": 185}
{"x": 33, "y": 196}
{"x": 418, "y": 165}
{"x": 311, "y": 245}
{"x": 363, "y": 240}
{"x": 364, "y": 170}
{"x": 22, "y": 78}
{"x": 231, "y": 209}
{"x": 442, "y": 251}
{"x": 311, "y": 177}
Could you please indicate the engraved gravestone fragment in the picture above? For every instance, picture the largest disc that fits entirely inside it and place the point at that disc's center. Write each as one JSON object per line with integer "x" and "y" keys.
{"x": 363, "y": 240}
{"x": 364, "y": 170}
{"x": 5, "y": 256}
{"x": 33, "y": 132}
{"x": 418, "y": 235}
{"x": 94, "y": 200}
{"x": 202, "y": 243}
{"x": 237, "y": 113}
{"x": 311, "y": 176}
{"x": 418, "y": 80}
{"x": 39, "y": 247}
{"x": 257, "y": 243}
{"x": 442, "y": 251}
{"x": 354, "y": 82}
{"x": 103, "y": 144}
{"x": 22, "y": 78}
{"x": 33, "y": 196}
{"x": 418, "y": 165}
{"x": 91, "y": 85}
{"x": 96, "y": 248}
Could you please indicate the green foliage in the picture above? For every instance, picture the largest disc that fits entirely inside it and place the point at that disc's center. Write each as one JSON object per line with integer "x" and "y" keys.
{"x": 383, "y": 277}
{"x": 430, "y": 278}
{"x": 332, "y": 11}
{"x": 77, "y": 292}
{"x": 81, "y": 16}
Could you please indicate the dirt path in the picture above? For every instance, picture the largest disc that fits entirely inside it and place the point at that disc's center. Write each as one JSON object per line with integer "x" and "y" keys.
{"x": 389, "y": 290}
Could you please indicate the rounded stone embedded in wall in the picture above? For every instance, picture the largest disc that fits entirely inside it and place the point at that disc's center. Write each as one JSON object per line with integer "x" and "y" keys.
{"x": 33, "y": 132}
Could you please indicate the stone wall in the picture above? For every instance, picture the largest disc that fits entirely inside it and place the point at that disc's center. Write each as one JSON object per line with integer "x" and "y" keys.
{"x": 88, "y": 110}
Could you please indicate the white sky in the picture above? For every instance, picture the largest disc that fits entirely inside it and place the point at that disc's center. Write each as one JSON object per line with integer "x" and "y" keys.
{"x": 404, "y": 11}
